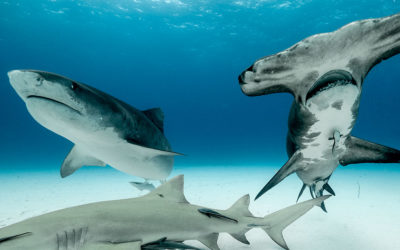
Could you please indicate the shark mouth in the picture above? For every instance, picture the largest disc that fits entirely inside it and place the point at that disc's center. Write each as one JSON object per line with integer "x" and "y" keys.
{"x": 52, "y": 100}
{"x": 330, "y": 80}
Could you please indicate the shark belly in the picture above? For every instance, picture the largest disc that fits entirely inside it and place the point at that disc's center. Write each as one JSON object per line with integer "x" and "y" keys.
{"x": 329, "y": 120}
{"x": 108, "y": 147}
{"x": 183, "y": 222}
{"x": 120, "y": 156}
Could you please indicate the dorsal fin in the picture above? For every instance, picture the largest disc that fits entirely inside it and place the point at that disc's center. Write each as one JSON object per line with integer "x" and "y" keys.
{"x": 171, "y": 191}
{"x": 156, "y": 116}
{"x": 241, "y": 207}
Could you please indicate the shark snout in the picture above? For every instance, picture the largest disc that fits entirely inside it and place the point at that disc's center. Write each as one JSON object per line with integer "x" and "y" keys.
{"x": 13, "y": 75}
{"x": 16, "y": 78}
{"x": 25, "y": 82}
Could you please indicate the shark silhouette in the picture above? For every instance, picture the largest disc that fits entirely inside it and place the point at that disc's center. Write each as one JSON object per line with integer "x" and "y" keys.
{"x": 162, "y": 219}
{"x": 104, "y": 129}
{"x": 325, "y": 73}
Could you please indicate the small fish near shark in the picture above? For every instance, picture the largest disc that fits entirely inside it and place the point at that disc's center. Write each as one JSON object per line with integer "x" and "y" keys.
{"x": 162, "y": 219}
{"x": 325, "y": 73}
{"x": 104, "y": 129}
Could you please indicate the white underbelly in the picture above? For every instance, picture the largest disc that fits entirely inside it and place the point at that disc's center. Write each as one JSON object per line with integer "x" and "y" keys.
{"x": 106, "y": 146}
{"x": 316, "y": 169}
{"x": 122, "y": 157}
{"x": 334, "y": 111}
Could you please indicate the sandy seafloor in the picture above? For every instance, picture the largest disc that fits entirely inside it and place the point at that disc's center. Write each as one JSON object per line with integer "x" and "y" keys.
{"x": 365, "y": 214}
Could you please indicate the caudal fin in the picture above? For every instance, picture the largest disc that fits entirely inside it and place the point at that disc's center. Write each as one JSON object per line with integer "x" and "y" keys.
{"x": 278, "y": 221}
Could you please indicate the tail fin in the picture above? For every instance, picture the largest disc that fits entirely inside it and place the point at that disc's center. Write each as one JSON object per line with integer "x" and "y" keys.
{"x": 279, "y": 220}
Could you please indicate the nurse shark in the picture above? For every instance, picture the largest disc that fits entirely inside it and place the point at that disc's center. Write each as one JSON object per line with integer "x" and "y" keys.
{"x": 104, "y": 129}
{"x": 325, "y": 73}
{"x": 162, "y": 219}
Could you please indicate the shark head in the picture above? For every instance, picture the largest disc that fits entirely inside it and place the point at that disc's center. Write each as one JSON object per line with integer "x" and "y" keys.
{"x": 62, "y": 105}
{"x": 345, "y": 54}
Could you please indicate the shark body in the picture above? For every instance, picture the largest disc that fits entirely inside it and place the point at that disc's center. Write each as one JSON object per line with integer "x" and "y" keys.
{"x": 325, "y": 73}
{"x": 104, "y": 129}
{"x": 162, "y": 219}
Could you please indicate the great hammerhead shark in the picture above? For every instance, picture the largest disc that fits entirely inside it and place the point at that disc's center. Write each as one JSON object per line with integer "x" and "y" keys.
{"x": 325, "y": 73}
{"x": 162, "y": 219}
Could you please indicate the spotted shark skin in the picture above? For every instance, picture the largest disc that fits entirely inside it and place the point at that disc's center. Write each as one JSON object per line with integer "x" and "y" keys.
{"x": 325, "y": 74}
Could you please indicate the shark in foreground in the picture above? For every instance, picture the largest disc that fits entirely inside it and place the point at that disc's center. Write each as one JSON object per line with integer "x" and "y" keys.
{"x": 104, "y": 129}
{"x": 162, "y": 219}
{"x": 325, "y": 73}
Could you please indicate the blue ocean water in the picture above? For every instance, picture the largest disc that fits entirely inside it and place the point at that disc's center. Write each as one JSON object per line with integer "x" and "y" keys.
{"x": 182, "y": 56}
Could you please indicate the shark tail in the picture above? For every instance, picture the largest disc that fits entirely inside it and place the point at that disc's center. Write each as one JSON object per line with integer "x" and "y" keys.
{"x": 278, "y": 221}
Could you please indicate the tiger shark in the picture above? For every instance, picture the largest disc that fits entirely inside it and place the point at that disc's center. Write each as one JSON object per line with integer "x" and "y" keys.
{"x": 325, "y": 73}
{"x": 162, "y": 219}
{"x": 104, "y": 130}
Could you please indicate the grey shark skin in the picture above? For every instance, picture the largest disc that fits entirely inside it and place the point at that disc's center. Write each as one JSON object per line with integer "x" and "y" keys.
{"x": 325, "y": 73}
{"x": 162, "y": 219}
{"x": 104, "y": 129}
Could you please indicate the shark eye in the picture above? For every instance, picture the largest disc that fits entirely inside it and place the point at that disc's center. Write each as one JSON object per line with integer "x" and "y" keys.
{"x": 74, "y": 85}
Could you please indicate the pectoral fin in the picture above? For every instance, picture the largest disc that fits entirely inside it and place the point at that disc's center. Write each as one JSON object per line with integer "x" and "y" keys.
{"x": 210, "y": 241}
{"x": 241, "y": 237}
{"x": 290, "y": 167}
{"x": 76, "y": 159}
{"x": 361, "y": 151}
{"x": 143, "y": 186}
